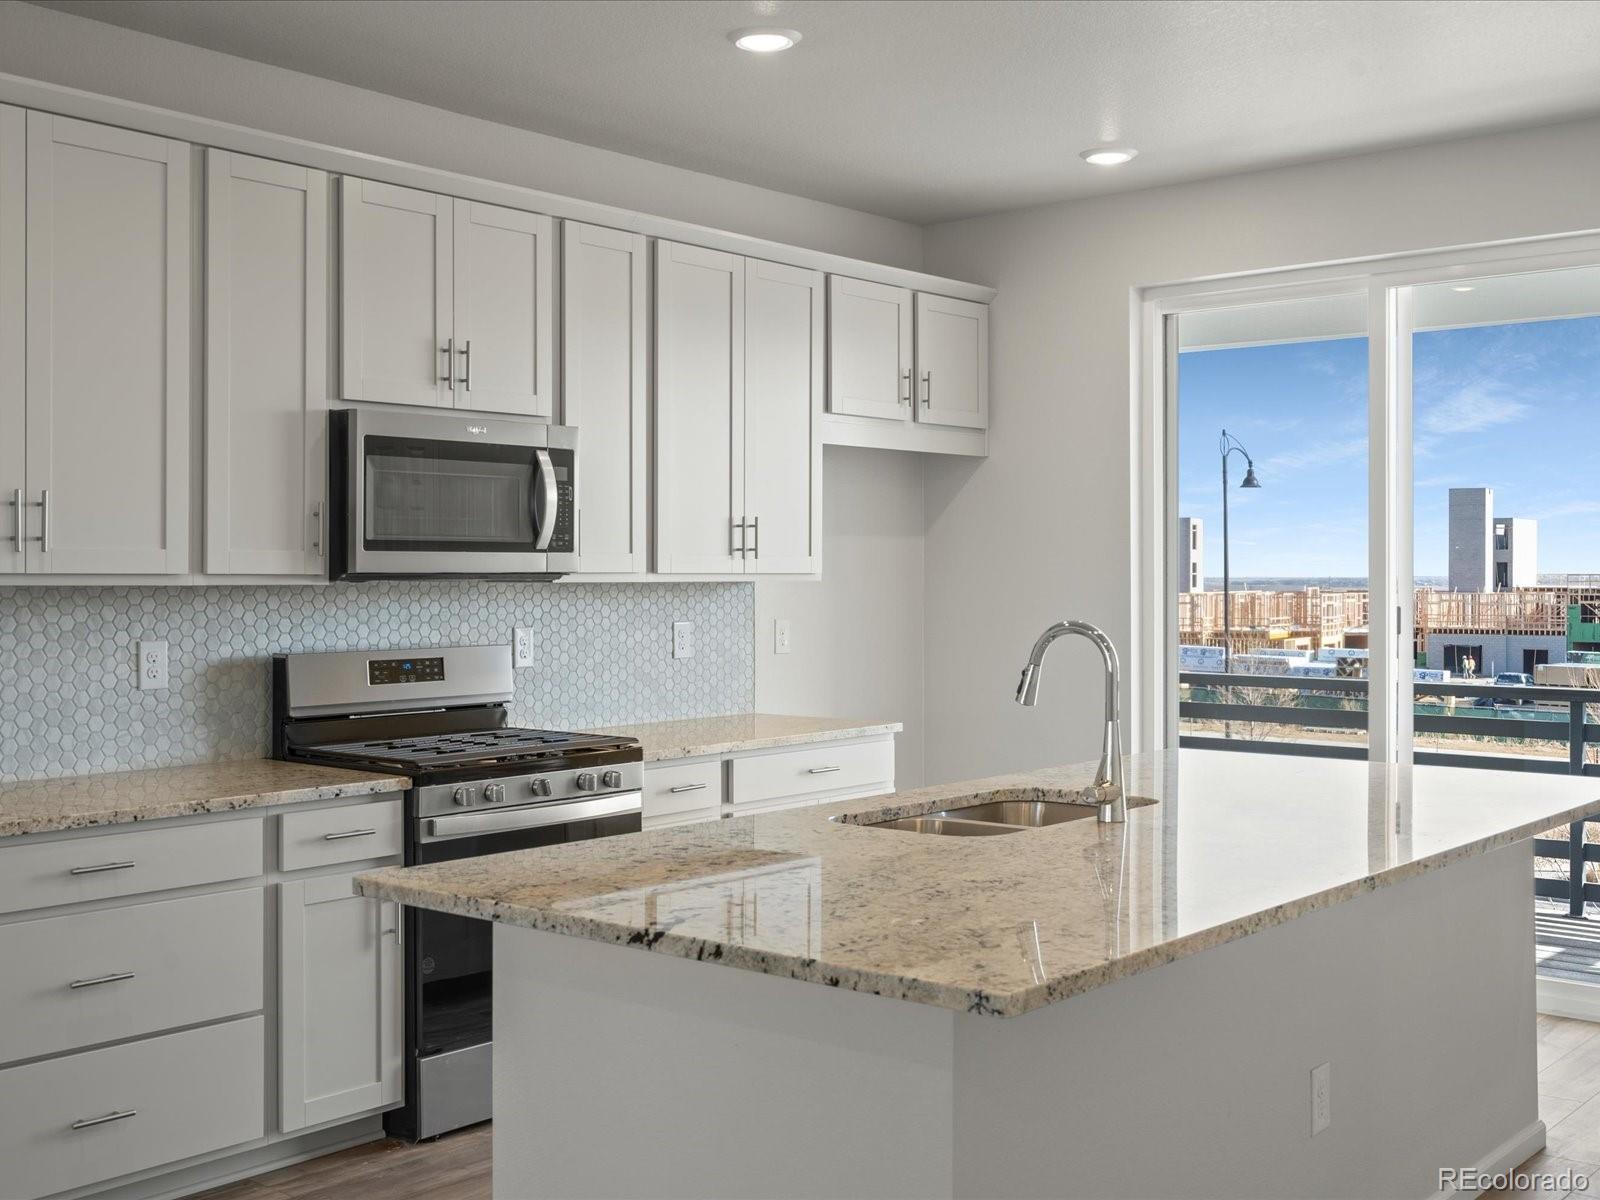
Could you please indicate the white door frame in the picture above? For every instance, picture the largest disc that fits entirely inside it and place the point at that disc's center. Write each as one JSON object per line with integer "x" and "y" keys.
{"x": 1388, "y": 282}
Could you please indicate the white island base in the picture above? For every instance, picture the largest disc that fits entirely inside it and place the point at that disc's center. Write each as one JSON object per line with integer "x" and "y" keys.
{"x": 625, "y": 1073}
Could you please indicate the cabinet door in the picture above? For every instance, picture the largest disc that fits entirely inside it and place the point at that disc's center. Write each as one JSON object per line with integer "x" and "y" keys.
{"x": 699, "y": 475}
{"x": 14, "y": 492}
{"x": 107, "y": 348}
{"x": 395, "y": 294}
{"x": 339, "y": 1001}
{"x": 603, "y": 339}
{"x": 504, "y": 314}
{"x": 952, "y": 362}
{"x": 782, "y": 403}
{"x": 266, "y": 366}
{"x": 869, "y": 349}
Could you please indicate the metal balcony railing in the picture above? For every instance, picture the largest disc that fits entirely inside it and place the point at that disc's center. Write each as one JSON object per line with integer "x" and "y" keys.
{"x": 1499, "y": 716}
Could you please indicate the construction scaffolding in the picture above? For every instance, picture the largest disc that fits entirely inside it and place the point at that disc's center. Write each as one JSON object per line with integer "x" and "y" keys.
{"x": 1310, "y": 619}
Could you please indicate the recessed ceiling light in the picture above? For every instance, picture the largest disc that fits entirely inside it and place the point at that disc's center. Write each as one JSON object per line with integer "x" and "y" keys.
{"x": 764, "y": 41}
{"x": 1108, "y": 156}
{"x": 1462, "y": 287}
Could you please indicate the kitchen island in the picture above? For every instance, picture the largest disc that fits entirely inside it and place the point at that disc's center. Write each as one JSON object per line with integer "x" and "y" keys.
{"x": 1080, "y": 1009}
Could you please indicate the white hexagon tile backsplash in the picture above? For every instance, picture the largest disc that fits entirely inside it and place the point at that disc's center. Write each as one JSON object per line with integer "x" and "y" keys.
{"x": 69, "y": 702}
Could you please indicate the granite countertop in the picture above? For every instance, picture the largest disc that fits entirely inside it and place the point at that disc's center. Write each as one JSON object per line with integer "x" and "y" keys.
{"x": 1001, "y": 925}
{"x": 124, "y": 797}
{"x": 743, "y": 731}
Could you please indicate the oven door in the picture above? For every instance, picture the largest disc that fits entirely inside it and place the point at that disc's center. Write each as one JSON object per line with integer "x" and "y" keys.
{"x": 454, "y": 494}
{"x": 449, "y": 985}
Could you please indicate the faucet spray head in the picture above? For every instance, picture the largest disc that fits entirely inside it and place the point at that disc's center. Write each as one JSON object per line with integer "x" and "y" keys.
{"x": 1028, "y": 687}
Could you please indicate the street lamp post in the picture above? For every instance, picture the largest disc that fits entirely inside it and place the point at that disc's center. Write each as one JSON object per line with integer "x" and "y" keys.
{"x": 1230, "y": 445}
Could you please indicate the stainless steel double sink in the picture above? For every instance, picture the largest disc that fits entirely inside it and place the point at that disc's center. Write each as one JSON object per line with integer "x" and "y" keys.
{"x": 995, "y": 816}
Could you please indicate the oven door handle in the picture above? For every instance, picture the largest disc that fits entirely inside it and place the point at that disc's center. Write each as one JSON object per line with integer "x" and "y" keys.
{"x": 529, "y": 816}
{"x": 545, "y": 489}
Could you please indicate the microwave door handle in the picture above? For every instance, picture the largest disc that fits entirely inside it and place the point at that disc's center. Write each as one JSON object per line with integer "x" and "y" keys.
{"x": 546, "y": 511}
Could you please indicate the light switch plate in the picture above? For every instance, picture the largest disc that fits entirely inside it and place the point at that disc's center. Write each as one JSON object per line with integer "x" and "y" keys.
{"x": 683, "y": 639}
{"x": 152, "y": 666}
{"x": 780, "y": 636}
{"x": 522, "y": 647}
{"x": 1321, "y": 1101}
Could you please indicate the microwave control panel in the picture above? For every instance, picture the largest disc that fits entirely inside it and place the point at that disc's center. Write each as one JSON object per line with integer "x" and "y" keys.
{"x": 563, "y": 537}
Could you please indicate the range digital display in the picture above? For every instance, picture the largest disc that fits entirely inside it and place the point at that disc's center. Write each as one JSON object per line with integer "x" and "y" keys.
{"x": 404, "y": 670}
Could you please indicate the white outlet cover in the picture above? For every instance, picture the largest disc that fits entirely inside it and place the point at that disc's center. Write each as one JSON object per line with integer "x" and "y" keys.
{"x": 683, "y": 639}
{"x": 522, "y": 647}
{"x": 781, "y": 636}
{"x": 153, "y": 675}
{"x": 1321, "y": 1101}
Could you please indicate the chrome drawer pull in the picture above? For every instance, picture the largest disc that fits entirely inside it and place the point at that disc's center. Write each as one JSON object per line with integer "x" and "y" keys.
{"x": 348, "y": 833}
{"x": 823, "y": 770}
{"x": 95, "y": 870}
{"x": 689, "y": 787}
{"x": 91, "y": 1122}
{"x": 114, "y": 977}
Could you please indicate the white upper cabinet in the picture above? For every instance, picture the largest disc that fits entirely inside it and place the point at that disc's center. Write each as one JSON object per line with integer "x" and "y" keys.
{"x": 267, "y": 376}
{"x": 339, "y": 1002}
{"x": 446, "y": 303}
{"x": 699, "y": 410}
{"x": 14, "y": 495}
{"x": 504, "y": 325}
{"x": 869, "y": 349}
{"x": 396, "y": 297}
{"x": 952, "y": 374}
{"x": 107, "y": 338}
{"x": 604, "y": 339}
{"x": 783, "y": 325}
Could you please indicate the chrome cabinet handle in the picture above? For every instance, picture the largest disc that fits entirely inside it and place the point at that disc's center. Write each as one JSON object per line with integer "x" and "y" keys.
{"x": 905, "y": 386}
{"x": 44, "y": 521}
{"x": 98, "y": 867}
{"x": 688, "y": 787}
{"x": 114, "y": 977}
{"x": 348, "y": 833}
{"x": 927, "y": 388}
{"x": 823, "y": 770}
{"x": 755, "y": 528}
{"x": 399, "y": 930}
{"x": 466, "y": 363}
{"x": 316, "y": 528}
{"x": 16, "y": 517}
{"x": 732, "y": 549}
{"x": 449, "y": 352}
{"x": 91, "y": 1122}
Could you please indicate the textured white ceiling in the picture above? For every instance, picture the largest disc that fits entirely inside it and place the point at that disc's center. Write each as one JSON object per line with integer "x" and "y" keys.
{"x": 928, "y": 111}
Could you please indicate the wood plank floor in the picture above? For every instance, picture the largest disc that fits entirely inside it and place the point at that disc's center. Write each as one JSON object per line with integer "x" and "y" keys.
{"x": 456, "y": 1167}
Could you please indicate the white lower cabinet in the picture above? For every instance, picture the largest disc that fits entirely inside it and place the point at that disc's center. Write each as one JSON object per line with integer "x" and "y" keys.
{"x": 338, "y": 1001}
{"x": 684, "y": 791}
{"x": 79, "y": 1120}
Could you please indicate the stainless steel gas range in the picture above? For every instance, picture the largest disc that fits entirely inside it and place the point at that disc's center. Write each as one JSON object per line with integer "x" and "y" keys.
{"x": 479, "y": 786}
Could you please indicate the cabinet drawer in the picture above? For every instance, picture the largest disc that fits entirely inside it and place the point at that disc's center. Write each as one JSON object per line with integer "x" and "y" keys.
{"x": 324, "y": 837}
{"x": 122, "y": 972}
{"x": 43, "y": 874}
{"x": 682, "y": 788}
{"x": 764, "y": 779}
{"x": 185, "y": 1094}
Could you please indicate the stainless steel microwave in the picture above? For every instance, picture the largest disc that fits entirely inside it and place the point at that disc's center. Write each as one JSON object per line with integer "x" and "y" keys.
{"x": 449, "y": 495}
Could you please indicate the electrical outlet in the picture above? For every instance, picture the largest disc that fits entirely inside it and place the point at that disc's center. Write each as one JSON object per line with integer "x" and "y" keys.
{"x": 780, "y": 636}
{"x": 522, "y": 647}
{"x": 152, "y": 666}
{"x": 683, "y": 639}
{"x": 1321, "y": 1104}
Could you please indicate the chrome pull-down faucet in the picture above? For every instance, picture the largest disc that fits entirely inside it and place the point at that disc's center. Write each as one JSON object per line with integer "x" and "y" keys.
{"x": 1107, "y": 789}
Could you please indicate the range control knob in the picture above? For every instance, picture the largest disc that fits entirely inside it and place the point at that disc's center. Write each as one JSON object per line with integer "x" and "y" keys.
{"x": 539, "y": 787}
{"x": 585, "y": 781}
{"x": 611, "y": 779}
{"x": 495, "y": 793}
{"x": 462, "y": 796}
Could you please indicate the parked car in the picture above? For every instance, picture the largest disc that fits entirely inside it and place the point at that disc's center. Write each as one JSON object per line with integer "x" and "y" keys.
{"x": 1506, "y": 679}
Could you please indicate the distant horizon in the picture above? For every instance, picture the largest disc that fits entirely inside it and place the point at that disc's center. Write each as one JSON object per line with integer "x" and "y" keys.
{"x": 1298, "y": 583}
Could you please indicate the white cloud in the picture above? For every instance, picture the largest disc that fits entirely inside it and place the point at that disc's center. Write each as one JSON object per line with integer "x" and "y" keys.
{"x": 1317, "y": 454}
{"x": 1477, "y": 406}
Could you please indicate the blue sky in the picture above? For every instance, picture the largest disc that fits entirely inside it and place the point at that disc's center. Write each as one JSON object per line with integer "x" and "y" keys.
{"x": 1512, "y": 407}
